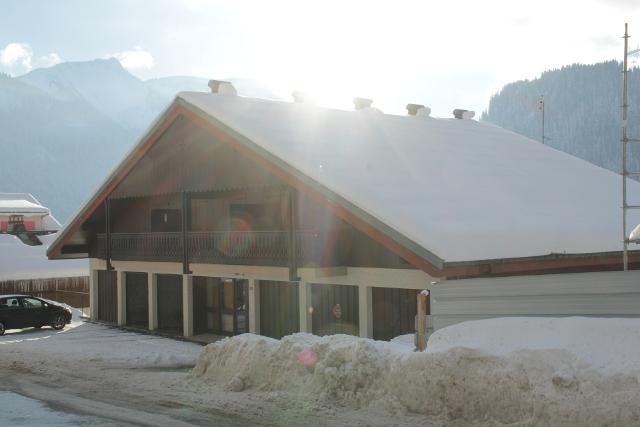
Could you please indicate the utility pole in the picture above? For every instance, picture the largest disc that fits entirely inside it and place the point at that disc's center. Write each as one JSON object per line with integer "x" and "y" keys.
{"x": 625, "y": 255}
{"x": 541, "y": 108}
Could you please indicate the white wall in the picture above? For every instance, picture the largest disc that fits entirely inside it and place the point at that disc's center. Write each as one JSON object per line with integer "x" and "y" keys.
{"x": 604, "y": 294}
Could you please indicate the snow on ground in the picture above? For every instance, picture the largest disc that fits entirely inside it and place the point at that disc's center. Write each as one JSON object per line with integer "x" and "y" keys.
{"x": 18, "y": 410}
{"x": 100, "y": 342}
{"x": 545, "y": 372}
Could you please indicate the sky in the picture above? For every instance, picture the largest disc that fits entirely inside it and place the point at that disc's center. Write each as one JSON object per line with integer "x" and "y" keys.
{"x": 445, "y": 54}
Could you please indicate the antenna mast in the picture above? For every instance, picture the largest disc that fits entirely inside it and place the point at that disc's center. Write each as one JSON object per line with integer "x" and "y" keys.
{"x": 625, "y": 255}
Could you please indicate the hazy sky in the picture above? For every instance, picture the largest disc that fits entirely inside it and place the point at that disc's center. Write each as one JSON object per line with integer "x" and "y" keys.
{"x": 444, "y": 54}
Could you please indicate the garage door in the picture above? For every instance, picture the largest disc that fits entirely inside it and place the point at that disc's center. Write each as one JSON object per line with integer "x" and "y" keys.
{"x": 170, "y": 303}
{"x": 394, "y": 312}
{"x": 279, "y": 309}
{"x": 107, "y": 296}
{"x": 137, "y": 299}
{"x": 335, "y": 309}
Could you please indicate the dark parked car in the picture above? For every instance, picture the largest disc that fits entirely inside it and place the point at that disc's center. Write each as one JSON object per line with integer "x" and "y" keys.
{"x": 23, "y": 311}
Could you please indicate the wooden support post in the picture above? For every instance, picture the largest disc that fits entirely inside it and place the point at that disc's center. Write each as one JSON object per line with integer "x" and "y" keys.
{"x": 421, "y": 329}
{"x": 365, "y": 310}
{"x": 107, "y": 220}
{"x": 186, "y": 224}
{"x": 304, "y": 302}
{"x": 152, "y": 283}
{"x": 254, "y": 306}
{"x": 121, "y": 286}
{"x": 291, "y": 235}
{"x": 187, "y": 305}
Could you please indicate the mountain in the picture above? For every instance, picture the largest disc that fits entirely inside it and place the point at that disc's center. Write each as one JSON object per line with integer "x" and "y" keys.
{"x": 63, "y": 128}
{"x": 583, "y": 115}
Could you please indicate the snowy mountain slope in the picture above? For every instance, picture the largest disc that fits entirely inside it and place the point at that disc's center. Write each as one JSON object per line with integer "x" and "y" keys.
{"x": 102, "y": 83}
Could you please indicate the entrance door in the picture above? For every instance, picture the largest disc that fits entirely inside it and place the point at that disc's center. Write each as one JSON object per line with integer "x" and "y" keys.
{"x": 335, "y": 309}
{"x": 220, "y": 306}
{"x": 394, "y": 312}
{"x": 279, "y": 308}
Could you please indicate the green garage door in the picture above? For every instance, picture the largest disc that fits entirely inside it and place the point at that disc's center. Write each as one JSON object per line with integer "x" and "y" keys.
{"x": 107, "y": 296}
{"x": 279, "y": 309}
{"x": 170, "y": 303}
{"x": 335, "y": 309}
{"x": 137, "y": 299}
{"x": 394, "y": 312}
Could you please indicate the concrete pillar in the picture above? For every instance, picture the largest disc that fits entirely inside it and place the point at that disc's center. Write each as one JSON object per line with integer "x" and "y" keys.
{"x": 254, "y": 306}
{"x": 121, "y": 285}
{"x": 187, "y": 305}
{"x": 93, "y": 294}
{"x": 304, "y": 302}
{"x": 153, "y": 301}
{"x": 365, "y": 310}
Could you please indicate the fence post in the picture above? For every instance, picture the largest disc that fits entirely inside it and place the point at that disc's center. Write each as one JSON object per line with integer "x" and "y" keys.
{"x": 421, "y": 330}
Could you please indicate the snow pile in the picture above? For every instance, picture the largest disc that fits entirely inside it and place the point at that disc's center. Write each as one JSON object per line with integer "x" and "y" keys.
{"x": 610, "y": 346}
{"x": 468, "y": 386}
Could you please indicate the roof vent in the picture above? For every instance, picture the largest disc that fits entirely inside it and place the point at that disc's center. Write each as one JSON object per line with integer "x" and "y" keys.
{"x": 418, "y": 110}
{"x": 362, "y": 103}
{"x": 222, "y": 87}
{"x": 463, "y": 114}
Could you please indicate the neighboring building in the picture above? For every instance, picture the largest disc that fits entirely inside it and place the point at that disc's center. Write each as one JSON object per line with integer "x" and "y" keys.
{"x": 35, "y": 216}
{"x": 23, "y": 261}
{"x": 234, "y": 214}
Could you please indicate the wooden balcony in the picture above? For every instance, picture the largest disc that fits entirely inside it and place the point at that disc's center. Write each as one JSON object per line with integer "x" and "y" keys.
{"x": 225, "y": 247}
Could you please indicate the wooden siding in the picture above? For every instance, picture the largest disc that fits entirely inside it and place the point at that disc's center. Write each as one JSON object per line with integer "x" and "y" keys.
{"x": 279, "y": 308}
{"x": 325, "y": 299}
{"x": 137, "y": 289}
{"x": 394, "y": 312}
{"x": 170, "y": 302}
{"x": 73, "y": 291}
{"x": 107, "y": 296}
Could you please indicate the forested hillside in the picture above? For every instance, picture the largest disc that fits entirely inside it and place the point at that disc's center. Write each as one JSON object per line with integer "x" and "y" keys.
{"x": 582, "y": 111}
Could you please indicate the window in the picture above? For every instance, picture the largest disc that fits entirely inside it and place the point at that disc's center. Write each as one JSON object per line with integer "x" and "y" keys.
{"x": 165, "y": 220}
{"x": 9, "y": 303}
{"x": 32, "y": 303}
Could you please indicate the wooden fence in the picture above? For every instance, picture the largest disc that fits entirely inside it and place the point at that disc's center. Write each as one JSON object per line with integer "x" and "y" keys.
{"x": 73, "y": 291}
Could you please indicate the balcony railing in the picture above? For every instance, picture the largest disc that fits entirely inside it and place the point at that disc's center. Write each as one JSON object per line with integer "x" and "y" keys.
{"x": 224, "y": 247}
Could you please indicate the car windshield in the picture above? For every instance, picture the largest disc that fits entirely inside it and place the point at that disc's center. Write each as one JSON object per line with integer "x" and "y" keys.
{"x": 31, "y": 303}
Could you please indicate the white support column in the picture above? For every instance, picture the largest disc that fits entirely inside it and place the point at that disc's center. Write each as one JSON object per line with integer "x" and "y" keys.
{"x": 304, "y": 303}
{"x": 365, "y": 310}
{"x": 153, "y": 301}
{"x": 121, "y": 297}
{"x": 93, "y": 294}
{"x": 254, "y": 306}
{"x": 187, "y": 305}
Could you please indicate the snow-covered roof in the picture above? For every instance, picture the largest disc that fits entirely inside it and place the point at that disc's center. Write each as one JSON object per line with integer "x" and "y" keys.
{"x": 21, "y": 203}
{"x": 460, "y": 189}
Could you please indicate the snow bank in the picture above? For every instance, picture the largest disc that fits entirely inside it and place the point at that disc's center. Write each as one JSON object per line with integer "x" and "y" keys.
{"x": 610, "y": 346}
{"x": 462, "y": 385}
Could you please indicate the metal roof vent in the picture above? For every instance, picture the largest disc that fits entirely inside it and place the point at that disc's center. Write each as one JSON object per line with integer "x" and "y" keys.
{"x": 298, "y": 96}
{"x": 461, "y": 114}
{"x": 222, "y": 87}
{"x": 418, "y": 110}
{"x": 362, "y": 103}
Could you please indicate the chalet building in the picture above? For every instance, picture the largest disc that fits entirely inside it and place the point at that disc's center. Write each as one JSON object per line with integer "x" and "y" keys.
{"x": 236, "y": 215}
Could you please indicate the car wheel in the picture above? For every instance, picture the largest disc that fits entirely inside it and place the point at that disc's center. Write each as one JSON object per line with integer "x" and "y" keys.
{"x": 58, "y": 322}
{"x": 2, "y": 328}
